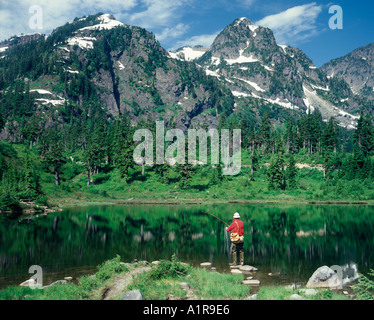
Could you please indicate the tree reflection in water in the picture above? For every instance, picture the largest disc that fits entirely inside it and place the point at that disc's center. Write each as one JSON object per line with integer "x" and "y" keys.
{"x": 293, "y": 240}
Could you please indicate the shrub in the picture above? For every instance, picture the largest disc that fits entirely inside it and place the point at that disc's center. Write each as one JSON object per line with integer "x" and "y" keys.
{"x": 42, "y": 200}
{"x": 365, "y": 287}
{"x": 166, "y": 268}
{"x": 7, "y": 202}
{"x": 108, "y": 268}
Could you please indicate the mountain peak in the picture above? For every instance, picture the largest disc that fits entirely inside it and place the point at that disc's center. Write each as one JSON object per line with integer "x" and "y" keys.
{"x": 243, "y": 21}
{"x": 235, "y": 39}
{"x": 105, "y": 21}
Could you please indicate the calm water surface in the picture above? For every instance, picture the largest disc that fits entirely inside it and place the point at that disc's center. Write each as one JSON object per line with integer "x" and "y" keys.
{"x": 291, "y": 241}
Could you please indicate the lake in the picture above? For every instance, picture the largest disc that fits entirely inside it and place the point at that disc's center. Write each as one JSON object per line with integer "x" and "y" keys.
{"x": 290, "y": 241}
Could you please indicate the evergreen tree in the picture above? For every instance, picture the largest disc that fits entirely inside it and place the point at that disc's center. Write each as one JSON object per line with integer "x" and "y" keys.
{"x": 290, "y": 136}
{"x": 2, "y": 122}
{"x": 330, "y": 137}
{"x": 162, "y": 171}
{"x": 32, "y": 130}
{"x": 254, "y": 164}
{"x": 123, "y": 147}
{"x": 264, "y": 132}
{"x": 276, "y": 174}
{"x": 328, "y": 165}
{"x": 11, "y": 180}
{"x": 216, "y": 176}
{"x": 309, "y": 127}
{"x": 292, "y": 172}
{"x": 32, "y": 180}
{"x": 95, "y": 153}
{"x": 53, "y": 154}
{"x": 364, "y": 134}
{"x": 185, "y": 171}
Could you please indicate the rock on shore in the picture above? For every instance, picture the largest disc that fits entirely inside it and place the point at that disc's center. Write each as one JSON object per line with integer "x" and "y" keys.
{"x": 324, "y": 277}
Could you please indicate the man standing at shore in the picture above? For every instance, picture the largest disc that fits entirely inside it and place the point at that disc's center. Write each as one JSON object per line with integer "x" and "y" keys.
{"x": 237, "y": 226}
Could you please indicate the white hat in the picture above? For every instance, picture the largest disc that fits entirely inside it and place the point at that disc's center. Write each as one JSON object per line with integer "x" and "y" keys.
{"x": 236, "y": 215}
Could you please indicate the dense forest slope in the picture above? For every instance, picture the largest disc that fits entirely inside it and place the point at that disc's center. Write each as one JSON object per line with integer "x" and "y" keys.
{"x": 71, "y": 101}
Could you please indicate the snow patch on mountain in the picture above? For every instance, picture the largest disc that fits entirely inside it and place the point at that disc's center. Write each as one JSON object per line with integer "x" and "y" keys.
{"x": 53, "y": 102}
{"x": 120, "y": 65}
{"x": 216, "y": 61}
{"x": 253, "y": 28}
{"x": 107, "y": 22}
{"x": 188, "y": 53}
{"x": 64, "y": 48}
{"x": 241, "y": 59}
{"x": 57, "y": 100}
{"x": 212, "y": 73}
{"x": 250, "y": 25}
{"x": 251, "y": 83}
{"x": 309, "y": 107}
{"x": 313, "y": 100}
{"x": 283, "y": 48}
{"x": 285, "y": 103}
{"x": 41, "y": 91}
{"x": 240, "y": 20}
{"x": 268, "y": 68}
{"x": 82, "y": 42}
{"x": 240, "y": 94}
{"x": 320, "y": 88}
{"x": 71, "y": 71}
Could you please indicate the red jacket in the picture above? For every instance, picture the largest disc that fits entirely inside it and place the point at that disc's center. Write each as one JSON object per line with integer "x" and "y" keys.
{"x": 234, "y": 227}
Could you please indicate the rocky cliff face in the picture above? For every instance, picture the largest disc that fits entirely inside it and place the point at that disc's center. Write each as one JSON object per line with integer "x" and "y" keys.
{"x": 17, "y": 41}
{"x": 357, "y": 69}
{"x": 20, "y": 40}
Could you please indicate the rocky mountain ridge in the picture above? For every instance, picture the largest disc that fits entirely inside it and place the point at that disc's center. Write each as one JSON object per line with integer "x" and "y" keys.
{"x": 250, "y": 62}
{"x": 126, "y": 71}
{"x": 356, "y": 68}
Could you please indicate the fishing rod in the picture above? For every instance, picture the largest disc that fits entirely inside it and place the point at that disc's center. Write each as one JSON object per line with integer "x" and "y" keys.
{"x": 215, "y": 217}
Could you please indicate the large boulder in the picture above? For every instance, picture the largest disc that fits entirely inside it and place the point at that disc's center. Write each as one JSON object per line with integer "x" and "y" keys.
{"x": 132, "y": 295}
{"x": 324, "y": 277}
{"x": 28, "y": 283}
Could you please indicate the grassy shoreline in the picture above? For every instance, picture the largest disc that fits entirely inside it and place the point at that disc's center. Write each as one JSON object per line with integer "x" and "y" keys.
{"x": 165, "y": 280}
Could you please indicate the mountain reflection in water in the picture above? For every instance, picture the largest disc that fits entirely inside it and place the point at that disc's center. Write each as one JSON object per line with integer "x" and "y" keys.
{"x": 289, "y": 241}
